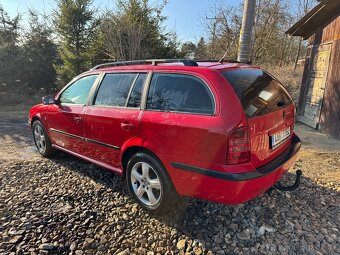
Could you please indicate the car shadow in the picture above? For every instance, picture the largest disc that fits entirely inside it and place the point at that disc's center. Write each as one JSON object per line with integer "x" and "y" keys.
{"x": 288, "y": 218}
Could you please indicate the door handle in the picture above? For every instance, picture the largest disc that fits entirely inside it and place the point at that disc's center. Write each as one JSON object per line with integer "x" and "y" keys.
{"x": 126, "y": 125}
{"x": 77, "y": 119}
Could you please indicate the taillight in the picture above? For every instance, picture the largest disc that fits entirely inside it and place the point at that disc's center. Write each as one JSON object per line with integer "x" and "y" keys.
{"x": 238, "y": 146}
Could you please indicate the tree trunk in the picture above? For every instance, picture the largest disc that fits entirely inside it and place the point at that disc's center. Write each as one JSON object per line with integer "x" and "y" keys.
{"x": 298, "y": 54}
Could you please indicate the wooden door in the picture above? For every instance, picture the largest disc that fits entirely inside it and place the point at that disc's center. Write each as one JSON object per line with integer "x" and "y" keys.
{"x": 317, "y": 77}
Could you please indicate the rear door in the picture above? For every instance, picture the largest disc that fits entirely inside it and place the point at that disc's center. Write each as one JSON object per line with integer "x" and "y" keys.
{"x": 269, "y": 110}
{"x": 113, "y": 117}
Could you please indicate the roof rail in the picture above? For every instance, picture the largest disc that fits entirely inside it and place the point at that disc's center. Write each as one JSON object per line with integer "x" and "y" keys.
{"x": 186, "y": 62}
{"x": 219, "y": 60}
{"x": 206, "y": 60}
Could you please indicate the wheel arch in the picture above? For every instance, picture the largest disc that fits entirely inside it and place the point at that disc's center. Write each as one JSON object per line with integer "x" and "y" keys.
{"x": 39, "y": 118}
{"x": 34, "y": 118}
{"x": 133, "y": 146}
{"x": 132, "y": 150}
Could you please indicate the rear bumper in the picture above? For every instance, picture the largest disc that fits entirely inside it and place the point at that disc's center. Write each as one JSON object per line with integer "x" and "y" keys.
{"x": 231, "y": 188}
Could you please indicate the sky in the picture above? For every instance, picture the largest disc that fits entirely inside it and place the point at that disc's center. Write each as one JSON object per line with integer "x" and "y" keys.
{"x": 183, "y": 16}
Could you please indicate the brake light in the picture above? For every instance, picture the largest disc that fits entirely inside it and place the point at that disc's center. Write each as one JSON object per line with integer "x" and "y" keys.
{"x": 238, "y": 146}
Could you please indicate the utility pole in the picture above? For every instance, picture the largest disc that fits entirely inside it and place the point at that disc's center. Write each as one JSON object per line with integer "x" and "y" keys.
{"x": 246, "y": 31}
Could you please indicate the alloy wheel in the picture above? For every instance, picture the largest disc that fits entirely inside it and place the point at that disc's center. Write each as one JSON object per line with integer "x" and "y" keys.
{"x": 40, "y": 139}
{"x": 146, "y": 184}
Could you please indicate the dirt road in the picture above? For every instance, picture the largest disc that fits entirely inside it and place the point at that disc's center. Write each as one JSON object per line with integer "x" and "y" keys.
{"x": 64, "y": 205}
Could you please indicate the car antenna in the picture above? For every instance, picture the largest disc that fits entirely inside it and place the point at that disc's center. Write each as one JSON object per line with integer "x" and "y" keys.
{"x": 224, "y": 55}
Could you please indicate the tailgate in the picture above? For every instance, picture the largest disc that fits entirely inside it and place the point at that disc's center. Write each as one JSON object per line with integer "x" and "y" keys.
{"x": 269, "y": 110}
{"x": 270, "y": 135}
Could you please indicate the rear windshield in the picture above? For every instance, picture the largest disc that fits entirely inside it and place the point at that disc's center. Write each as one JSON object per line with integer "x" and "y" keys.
{"x": 259, "y": 93}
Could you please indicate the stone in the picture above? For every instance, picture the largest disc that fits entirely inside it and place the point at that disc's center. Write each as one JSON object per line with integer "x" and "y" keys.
{"x": 324, "y": 231}
{"x": 181, "y": 244}
{"x": 125, "y": 217}
{"x": 19, "y": 251}
{"x": 160, "y": 250}
{"x": 15, "y": 239}
{"x": 282, "y": 249}
{"x": 73, "y": 246}
{"x": 20, "y": 232}
{"x": 310, "y": 238}
{"x": 220, "y": 252}
{"x": 28, "y": 226}
{"x": 320, "y": 237}
{"x": 329, "y": 239}
{"x": 263, "y": 229}
{"x": 244, "y": 235}
{"x": 89, "y": 243}
{"x": 173, "y": 232}
{"x": 125, "y": 252}
{"x": 217, "y": 240}
{"x": 198, "y": 250}
{"x": 46, "y": 246}
{"x": 102, "y": 248}
{"x": 134, "y": 209}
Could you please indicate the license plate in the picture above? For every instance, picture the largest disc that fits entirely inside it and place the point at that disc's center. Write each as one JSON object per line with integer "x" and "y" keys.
{"x": 279, "y": 137}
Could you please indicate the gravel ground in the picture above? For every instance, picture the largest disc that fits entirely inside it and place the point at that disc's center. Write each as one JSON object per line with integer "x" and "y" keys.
{"x": 65, "y": 205}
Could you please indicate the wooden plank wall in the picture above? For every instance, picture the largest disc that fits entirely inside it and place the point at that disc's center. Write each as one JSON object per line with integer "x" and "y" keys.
{"x": 327, "y": 34}
{"x": 304, "y": 82}
{"x": 330, "y": 113}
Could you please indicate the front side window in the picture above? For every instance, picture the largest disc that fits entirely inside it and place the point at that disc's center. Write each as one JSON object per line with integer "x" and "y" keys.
{"x": 179, "y": 93}
{"x": 78, "y": 92}
{"x": 114, "y": 89}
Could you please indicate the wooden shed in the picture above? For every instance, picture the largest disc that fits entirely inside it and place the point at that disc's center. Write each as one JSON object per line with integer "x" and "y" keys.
{"x": 319, "y": 101}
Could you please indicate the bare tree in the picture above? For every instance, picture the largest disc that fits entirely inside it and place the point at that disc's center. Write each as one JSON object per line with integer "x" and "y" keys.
{"x": 269, "y": 42}
{"x": 303, "y": 6}
{"x": 222, "y": 27}
{"x": 123, "y": 38}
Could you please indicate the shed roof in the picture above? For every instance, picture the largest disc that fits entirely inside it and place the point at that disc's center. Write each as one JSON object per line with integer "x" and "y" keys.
{"x": 315, "y": 18}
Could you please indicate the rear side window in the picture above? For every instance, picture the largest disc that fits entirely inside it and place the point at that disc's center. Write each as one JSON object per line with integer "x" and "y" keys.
{"x": 179, "y": 93}
{"x": 114, "y": 89}
{"x": 259, "y": 93}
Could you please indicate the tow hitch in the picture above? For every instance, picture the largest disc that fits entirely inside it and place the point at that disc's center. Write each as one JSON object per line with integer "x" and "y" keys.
{"x": 296, "y": 184}
{"x": 279, "y": 186}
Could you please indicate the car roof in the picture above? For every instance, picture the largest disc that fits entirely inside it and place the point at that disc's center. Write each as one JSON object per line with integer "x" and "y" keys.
{"x": 175, "y": 66}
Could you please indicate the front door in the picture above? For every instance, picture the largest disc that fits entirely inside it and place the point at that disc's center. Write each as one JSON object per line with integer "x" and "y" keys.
{"x": 114, "y": 117}
{"x": 317, "y": 78}
{"x": 65, "y": 119}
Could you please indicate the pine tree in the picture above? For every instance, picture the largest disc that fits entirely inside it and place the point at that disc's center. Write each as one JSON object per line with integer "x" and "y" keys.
{"x": 75, "y": 26}
{"x": 201, "y": 50}
{"x": 10, "y": 52}
{"x": 40, "y": 53}
{"x": 188, "y": 50}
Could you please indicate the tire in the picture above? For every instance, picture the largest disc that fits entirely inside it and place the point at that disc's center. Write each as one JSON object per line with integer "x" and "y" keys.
{"x": 149, "y": 184}
{"x": 41, "y": 139}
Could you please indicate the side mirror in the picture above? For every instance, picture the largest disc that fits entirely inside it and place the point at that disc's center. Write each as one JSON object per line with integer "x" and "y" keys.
{"x": 48, "y": 100}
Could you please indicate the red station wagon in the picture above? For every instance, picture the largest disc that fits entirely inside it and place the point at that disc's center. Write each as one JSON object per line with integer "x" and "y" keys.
{"x": 213, "y": 130}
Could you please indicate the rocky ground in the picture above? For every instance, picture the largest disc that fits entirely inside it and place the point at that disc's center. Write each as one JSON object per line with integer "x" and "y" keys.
{"x": 65, "y": 205}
